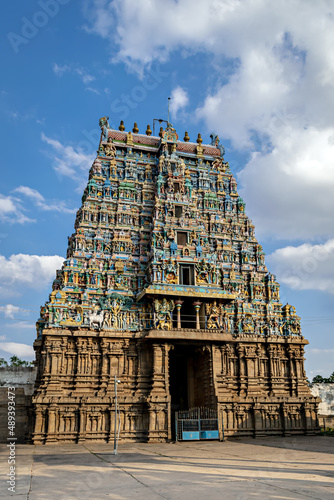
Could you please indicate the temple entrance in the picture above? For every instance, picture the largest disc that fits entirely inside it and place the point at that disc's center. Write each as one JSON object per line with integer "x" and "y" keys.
{"x": 190, "y": 379}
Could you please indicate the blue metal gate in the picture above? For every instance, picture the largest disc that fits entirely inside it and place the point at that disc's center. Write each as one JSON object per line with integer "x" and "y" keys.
{"x": 196, "y": 424}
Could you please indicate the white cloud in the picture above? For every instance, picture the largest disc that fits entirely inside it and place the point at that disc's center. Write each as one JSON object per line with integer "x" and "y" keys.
{"x": 86, "y": 77}
{"x": 10, "y": 311}
{"x": 21, "y": 350}
{"x": 60, "y": 70}
{"x": 39, "y": 200}
{"x": 12, "y": 211}
{"x": 94, "y": 91}
{"x": 273, "y": 67}
{"x": 22, "y": 270}
{"x": 305, "y": 267}
{"x": 19, "y": 325}
{"x": 70, "y": 162}
{"x": 179, "y": 100}
{"x": 31, "y": 193}
{"x": 289, "y": 190}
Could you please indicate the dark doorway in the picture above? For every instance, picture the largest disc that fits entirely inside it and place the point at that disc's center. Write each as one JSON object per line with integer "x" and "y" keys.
{"x": 178, "y": 379}
{"x": 190, "y": 378}
{"x": 178, "y": 211}
{"x": 181, "y": 238}
{"x": 187, "y": 276}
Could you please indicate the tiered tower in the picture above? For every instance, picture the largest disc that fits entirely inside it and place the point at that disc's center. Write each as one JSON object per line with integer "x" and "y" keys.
{"x": 166, "y": 287}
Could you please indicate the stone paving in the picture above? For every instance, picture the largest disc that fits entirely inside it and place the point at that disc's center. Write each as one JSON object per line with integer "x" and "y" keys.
{"x": 271, "y": 468}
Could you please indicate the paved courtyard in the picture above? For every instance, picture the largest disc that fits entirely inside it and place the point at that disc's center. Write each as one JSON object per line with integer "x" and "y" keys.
{"x": 271, "y": 468}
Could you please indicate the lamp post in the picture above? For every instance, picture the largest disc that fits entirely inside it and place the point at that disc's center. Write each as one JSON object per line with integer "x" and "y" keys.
{"x": 116, "y": 431}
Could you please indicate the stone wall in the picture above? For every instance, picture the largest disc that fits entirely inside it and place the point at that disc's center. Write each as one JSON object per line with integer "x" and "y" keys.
{"x": 23, "y": 380}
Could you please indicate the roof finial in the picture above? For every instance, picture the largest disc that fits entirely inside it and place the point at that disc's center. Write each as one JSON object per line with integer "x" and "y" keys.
{"x": 199, "y": 139}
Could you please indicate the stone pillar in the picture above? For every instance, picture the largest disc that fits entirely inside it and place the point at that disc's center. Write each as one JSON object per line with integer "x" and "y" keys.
{"x": 178, "y": 304}
{"x": 159, "y": 399}
{"x": 104, "y": 365}
{"x": 258, "y": 420}
{"x": 52, "y": 423}
{"x": 39, "y": 430}
{"x": 285, "y": 420}
{"x": 82, "y": 424}
{"x": 271, "y": 373}
{"x": 242, "y": 374}
{"x": 197, "y": 306}
{"x": 308, "y": 419}
{"x": 158, "y": 371}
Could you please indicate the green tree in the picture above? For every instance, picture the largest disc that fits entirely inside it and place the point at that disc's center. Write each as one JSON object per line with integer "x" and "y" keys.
{"x": 318, "y": 379}
{"x": 3, "y": 362}
{"x": 15, "y": 361}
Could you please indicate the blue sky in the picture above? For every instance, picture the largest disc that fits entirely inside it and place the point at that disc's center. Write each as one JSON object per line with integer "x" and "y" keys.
{"x": 260, "y": 74}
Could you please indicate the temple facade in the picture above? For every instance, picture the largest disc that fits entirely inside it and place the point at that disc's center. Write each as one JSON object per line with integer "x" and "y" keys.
{"x": 165, "y": 287}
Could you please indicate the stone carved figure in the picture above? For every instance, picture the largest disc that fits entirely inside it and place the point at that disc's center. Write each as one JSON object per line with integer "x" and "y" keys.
{"x": 163, "y": 309}
{"x": 213, "y": 312}
{"x": 96, "y": 318}
{"x": 104, "y": 126}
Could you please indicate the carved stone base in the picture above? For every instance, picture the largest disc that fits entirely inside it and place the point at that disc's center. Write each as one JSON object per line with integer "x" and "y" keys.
{"x": 258, "y": 387}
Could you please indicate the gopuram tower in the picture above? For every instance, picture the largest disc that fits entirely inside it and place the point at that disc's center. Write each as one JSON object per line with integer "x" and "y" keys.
{"x": 165, "y": 287}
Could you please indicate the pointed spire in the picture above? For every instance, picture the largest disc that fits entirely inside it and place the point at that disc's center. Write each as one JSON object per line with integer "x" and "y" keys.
{"x": 135, "y": 129}
{"x": 186, "y": 137}
{"x": 199, "y": 139}
{"x": 121, "y": 126}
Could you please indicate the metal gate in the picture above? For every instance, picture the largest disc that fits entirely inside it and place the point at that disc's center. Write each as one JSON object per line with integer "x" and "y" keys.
{"x": 196, "y": 424}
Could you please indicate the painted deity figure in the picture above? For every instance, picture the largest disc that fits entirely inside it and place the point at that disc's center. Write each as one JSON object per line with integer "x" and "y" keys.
{"x": 163, "y": 309}
{"x": 213, "y": 313}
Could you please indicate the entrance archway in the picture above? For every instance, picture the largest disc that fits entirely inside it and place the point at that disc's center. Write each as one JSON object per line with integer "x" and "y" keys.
{"x": 190, "y": 377}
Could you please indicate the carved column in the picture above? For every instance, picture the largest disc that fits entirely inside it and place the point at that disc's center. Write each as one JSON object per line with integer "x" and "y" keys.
{"x": 158, "y": 369}
{"x": 285, "y": 420}
{"x": 159, "y": 400}
{"x": 197, "y": 306}
{"x": 258, "y": 420}
{"x": 271, "y": 367}
{"x": 52, "y": 422}
{"x": 242, "y": 374}
{"x": 308, "y": 419}
{"x": 39, "y": 428}
{"x": 178, "y": 304}
{"x": 292, "y": 371}
{"x": 82, "y": 424}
